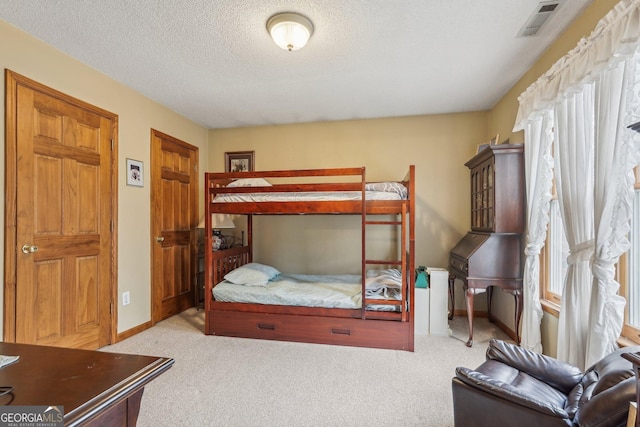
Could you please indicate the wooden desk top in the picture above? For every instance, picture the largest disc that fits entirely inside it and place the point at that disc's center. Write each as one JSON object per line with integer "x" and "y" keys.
{"x": 85, "y": 382}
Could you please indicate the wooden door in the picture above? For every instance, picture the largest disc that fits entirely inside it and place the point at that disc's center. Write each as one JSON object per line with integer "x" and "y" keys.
{"x": 174, "y": 216}
{"x": 60, "y": 275}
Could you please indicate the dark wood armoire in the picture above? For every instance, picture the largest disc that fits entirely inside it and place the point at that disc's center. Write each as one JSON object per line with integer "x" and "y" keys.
{"x": 490, "y": 255}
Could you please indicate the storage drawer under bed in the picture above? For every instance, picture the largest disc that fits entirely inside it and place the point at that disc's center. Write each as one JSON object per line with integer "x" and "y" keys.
{"x": 312, "y": 329}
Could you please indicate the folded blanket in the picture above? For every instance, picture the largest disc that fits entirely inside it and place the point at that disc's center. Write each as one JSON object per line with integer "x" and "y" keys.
{"x": 384, "y": 284}
{"x": 390, "y": 187}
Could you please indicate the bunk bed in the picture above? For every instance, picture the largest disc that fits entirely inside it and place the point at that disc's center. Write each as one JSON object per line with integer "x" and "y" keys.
{"x": 374, "y": 309}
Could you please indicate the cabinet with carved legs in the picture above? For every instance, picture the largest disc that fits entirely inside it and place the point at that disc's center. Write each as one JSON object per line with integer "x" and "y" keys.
{"x": 490, "y": 255}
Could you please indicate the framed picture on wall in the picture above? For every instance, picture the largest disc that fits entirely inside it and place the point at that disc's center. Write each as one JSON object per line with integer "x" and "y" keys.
{"x": 482, "y": 147}
{"x": 135, "y": 175}
{"x": 239, "y": 161}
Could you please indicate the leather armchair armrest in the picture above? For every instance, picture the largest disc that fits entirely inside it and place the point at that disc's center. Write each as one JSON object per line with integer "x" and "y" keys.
{"x": 515, "y": 395}
{"x": 610, "y": 407}
{"x": 559, "y": 375}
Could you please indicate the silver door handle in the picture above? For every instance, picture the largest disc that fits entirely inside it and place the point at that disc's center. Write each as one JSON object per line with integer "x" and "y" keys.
{"x": 29, "y": 249}
{"x": 159, "y": 239}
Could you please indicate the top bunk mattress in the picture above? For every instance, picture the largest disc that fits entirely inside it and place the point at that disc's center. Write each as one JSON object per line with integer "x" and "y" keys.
{"x": 305, "y": 196}
{"x": 373, "y": 191}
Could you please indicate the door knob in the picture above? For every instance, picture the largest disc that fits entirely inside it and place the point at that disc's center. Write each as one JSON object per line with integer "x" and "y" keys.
{"x": 159, "y": 239}
{"x": 28, "y": 249}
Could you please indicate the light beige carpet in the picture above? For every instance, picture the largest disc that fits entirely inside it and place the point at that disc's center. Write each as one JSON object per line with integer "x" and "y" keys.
{"x": 220, "y": 381}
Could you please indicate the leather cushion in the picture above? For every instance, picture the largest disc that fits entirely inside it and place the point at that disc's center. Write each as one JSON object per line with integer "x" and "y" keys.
{"x": 511, "y": 384}
{"x": 559, "y": 375}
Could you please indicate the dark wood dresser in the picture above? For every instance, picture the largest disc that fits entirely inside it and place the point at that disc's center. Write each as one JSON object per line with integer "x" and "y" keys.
{"x": 491, "y": 253}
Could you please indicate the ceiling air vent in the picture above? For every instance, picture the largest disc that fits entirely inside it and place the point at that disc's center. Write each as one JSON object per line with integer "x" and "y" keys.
{"x": 539, "y": 17}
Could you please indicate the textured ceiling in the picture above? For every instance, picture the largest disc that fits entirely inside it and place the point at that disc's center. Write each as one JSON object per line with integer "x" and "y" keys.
{"x": 213, "y": 61}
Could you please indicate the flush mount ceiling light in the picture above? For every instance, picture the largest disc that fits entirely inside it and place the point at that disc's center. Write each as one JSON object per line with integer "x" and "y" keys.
{"x": 290, "y": 31}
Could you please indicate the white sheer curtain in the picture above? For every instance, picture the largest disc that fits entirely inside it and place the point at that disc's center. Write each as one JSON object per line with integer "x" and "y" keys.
{"x": 574, "y": 174}
{"x": 615, "y": 156}
{"x": 538, "y": 173}
{"x": 587, "y": 108}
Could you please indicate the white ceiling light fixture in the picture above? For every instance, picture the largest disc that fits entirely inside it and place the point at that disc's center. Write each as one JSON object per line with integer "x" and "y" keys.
{"x": 290, "y": 31}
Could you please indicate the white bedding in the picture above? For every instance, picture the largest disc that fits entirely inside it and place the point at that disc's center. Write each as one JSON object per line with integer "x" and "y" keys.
{"x": 305, "y": 197}
{"x": 373, "y": 191}
{"x": 328, "y": 291}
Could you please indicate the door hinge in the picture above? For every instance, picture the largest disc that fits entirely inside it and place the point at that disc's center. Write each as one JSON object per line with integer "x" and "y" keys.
{"x": 111, "y": 144}
{"x": 111, "y": 309}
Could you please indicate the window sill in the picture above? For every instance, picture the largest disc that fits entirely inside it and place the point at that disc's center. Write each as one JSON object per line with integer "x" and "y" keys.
{"x": 550, "y": 307}
{"x": 554, "y": 310}
{"x": 625, "y": 342}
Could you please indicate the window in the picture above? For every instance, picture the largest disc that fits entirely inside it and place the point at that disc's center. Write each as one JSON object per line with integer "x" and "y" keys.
{"x": 554, "y": 266}
{"x": 630, "y": 278}
{"x": 558, "y": 250}
{"x": 554, "y": 256}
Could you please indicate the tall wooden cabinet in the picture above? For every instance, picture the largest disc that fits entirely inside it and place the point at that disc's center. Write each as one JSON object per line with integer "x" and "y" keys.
{"x": 491, "y": 253}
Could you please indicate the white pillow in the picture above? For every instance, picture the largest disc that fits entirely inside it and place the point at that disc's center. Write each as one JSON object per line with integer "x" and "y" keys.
{"x": 250, "y": 182}
{"x": 252, "y": 274}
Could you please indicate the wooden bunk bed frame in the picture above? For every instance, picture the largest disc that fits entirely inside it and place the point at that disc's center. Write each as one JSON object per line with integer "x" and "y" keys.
{"x": 353, "y": 327}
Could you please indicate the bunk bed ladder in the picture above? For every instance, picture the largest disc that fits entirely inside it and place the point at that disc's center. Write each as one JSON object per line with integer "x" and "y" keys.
{"x": 400, "y": 264}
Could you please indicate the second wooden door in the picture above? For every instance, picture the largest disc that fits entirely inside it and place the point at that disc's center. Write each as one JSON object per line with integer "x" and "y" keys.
{"x": 174, "y": 216}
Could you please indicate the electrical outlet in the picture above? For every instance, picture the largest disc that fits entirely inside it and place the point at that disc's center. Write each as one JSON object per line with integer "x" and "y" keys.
{"x": 126, "y": 298}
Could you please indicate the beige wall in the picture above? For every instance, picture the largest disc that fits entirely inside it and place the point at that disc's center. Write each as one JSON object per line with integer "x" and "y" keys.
{"x": 25, "y": 55}
{"x": 438, "y": 145}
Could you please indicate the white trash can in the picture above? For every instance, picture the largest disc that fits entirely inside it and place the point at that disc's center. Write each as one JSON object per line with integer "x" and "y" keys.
{"x": 438, "y": 301}
{"x": 421, "y": 311}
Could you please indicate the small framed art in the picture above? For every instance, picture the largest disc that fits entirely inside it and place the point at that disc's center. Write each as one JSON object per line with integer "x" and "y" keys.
{"x": 492, "y": 141}
{"x": 239, "y": 161}
{"x": 135, "y": 173}
{"x": 481, "y": 147}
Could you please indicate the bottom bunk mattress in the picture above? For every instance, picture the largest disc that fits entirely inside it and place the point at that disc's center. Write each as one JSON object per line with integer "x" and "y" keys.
{"x": 327, "y": 291}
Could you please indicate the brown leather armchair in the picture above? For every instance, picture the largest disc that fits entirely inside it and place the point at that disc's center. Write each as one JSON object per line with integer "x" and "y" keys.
{"x": 517, "y": 387}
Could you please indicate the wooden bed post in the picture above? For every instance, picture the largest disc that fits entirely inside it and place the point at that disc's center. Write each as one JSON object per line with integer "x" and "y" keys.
{"x": 363, "y": 269}
{"x": 208, "y": 244}
{"x": 250, "y": 236}
{"x": 412, "y": 252}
